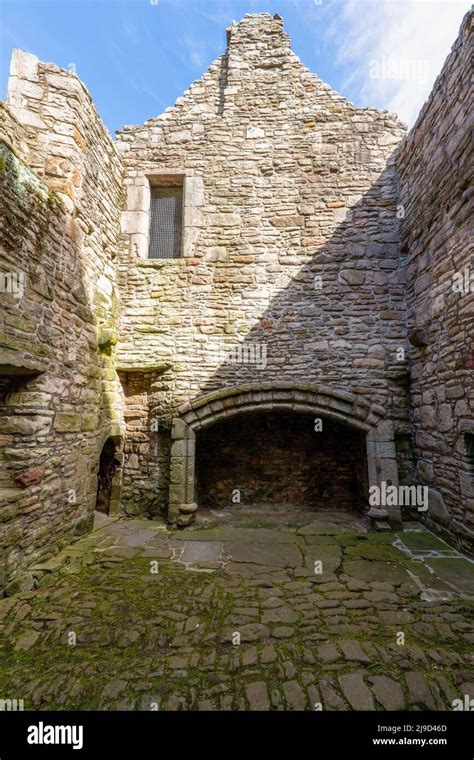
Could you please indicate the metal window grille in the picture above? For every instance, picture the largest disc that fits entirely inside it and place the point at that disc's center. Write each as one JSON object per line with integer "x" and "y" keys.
{"x": 166, "y": 213}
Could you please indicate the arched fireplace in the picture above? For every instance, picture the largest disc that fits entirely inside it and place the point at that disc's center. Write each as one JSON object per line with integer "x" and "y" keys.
{"x": 281, "y": 459}
{"x": 369, "y": 442}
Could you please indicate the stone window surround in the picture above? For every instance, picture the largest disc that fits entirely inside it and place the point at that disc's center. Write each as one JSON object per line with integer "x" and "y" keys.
{"x": 135, "y": 220}
{"x": 318, "y": 400}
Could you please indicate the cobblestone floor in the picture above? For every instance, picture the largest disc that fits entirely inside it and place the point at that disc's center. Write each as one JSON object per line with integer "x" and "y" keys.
{"x": 239, "y": 615}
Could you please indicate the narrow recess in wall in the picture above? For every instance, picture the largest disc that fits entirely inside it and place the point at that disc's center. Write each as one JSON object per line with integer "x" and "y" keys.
{"x": 469, "y": 444}
{"x": 108, "y": 463}
{"x": 166, "y": 216}
{"x": 405, "y": 459}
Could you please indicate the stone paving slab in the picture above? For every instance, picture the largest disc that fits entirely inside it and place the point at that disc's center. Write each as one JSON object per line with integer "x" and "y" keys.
{"x": 416, "y": 539}
{"x": 138, "y": 538}
{"x": 240, "y": 535}
{"x": 269, "y": 554}
{"x": 329, "y": 555}
{"x": 322, "y": 528}
{"x": 458, "y": 572}
{"x": 122, "y": 620}
{"x": 375, "y": 570}
{"x": 201, "y": 551}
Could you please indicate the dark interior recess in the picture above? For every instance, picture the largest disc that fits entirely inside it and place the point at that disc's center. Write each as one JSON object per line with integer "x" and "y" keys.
{"x": 278, "y": 459}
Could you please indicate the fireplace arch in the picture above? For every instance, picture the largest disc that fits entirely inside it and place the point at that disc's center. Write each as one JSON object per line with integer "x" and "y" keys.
{"x": 318, "y": 400}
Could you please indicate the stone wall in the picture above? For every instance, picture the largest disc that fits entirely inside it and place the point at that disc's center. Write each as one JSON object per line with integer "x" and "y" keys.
{"x": 60, "y": 204}
{"x": 294, "y": 291}
{"x": 435, "y": 167}
{"x": 147, "y": 445}
{"x": 290, "y": 242}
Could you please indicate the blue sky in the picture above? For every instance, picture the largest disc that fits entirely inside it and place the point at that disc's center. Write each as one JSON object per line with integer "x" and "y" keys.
{"x": 137, "y": 56}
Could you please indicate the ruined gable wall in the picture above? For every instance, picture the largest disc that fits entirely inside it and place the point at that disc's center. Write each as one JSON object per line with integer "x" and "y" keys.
{"x": 285, "y": 182}
{"x": 59, "y": 230}
{"x": 435, "y": 167}
{"x": 70, "y": 149}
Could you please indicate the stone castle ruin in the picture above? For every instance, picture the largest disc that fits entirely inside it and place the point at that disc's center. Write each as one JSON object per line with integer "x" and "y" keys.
{"x": 264, "y": 294}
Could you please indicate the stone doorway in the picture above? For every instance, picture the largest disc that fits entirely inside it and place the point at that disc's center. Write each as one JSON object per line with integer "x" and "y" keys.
{"x": 109, "y": 477}
{"x": 318, "y": 401}
{"x": 281, "y": 460}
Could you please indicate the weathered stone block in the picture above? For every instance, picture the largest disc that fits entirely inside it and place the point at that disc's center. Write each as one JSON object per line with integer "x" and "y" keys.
{"x": 67, "y": 422}
{"x": 30, "y": 477}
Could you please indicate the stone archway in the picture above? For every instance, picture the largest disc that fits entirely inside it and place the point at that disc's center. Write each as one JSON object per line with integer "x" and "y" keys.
{"x": 319, "y": 400}
{"x": 109, "y": 476}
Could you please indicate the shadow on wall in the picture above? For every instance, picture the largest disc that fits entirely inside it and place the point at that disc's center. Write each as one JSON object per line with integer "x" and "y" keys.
{"x": 338, "y": 322}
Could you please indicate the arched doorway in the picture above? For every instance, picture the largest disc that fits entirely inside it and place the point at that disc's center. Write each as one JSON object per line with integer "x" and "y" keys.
{"x": 318, "y": 401}
{"x": 109, "y": 462}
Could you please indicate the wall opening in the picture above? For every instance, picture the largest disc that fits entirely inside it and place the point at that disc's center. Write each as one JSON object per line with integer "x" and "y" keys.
{"x": 281, "y": 460}
{"x": 405, "y": 459}
{"x": 108, "y": 463}
{"x": 365, "y": 444}
{"x": 166, "y": 217}
{"x": 469, "y": 444}
{"x": 15, "y": 411}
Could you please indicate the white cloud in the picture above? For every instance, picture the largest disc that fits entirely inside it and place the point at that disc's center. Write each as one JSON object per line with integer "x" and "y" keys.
{"x": 196, "y": 52}
{"x": 391, "y": 51}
